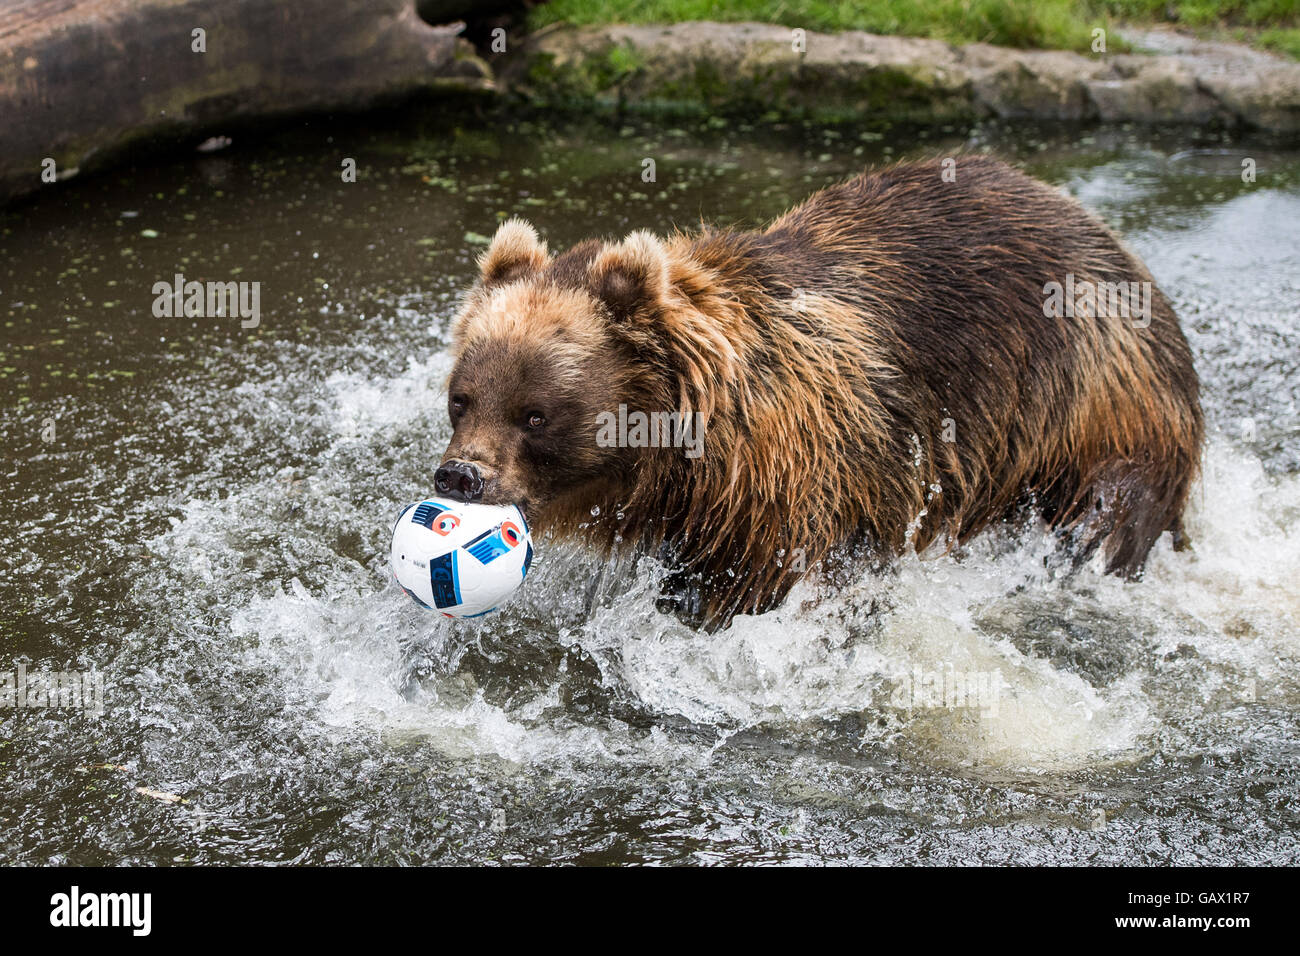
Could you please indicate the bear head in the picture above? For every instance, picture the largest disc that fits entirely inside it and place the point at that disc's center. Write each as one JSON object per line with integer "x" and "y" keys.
{"x": 544, "y": 349}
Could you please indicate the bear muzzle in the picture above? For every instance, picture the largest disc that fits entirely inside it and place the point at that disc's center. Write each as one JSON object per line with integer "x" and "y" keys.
{"x": 459, "y": 480}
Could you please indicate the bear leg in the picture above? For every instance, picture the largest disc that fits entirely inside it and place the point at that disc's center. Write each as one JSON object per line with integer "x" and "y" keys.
{"x": 1123, "y": 510}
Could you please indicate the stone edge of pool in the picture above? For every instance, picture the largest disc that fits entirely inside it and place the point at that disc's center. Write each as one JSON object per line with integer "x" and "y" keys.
{"x": 82, "y": 83}
{"x": 704, "y": 66}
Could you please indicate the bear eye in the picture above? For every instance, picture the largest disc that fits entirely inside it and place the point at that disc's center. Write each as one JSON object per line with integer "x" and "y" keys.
{"x": 457, "y": 404}
{"x": 536, "y": 419}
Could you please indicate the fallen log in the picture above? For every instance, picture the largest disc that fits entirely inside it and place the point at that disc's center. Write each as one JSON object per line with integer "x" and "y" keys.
{"x": 82, "y": 79}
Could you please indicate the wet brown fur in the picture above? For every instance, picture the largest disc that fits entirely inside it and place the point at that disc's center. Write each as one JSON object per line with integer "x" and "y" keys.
{"x": 826, "y": 352}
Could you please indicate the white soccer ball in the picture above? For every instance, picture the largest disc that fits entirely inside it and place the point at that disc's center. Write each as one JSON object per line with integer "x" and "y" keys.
{"x": 460, "y": 559}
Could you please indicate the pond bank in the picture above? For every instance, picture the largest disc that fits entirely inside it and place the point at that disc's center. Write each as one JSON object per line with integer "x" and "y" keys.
{"x": 704, "y": 66}
{"x": 92, "y": 83}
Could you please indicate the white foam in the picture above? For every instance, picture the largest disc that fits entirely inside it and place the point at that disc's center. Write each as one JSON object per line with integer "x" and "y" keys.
{"x": 363, "y": 406}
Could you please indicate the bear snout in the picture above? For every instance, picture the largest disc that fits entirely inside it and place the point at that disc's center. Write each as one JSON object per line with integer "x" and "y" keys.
{"x": 459, "y": 480}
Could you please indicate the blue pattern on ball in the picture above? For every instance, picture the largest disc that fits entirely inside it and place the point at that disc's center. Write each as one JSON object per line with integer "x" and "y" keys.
{"x": 445, "y": 579}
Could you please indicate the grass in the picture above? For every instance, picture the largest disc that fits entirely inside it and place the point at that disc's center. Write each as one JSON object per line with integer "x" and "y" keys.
{"x": 1208, "y": 13}
{"x": 1284, "y": 41}
{"x": 1042, "y": 24}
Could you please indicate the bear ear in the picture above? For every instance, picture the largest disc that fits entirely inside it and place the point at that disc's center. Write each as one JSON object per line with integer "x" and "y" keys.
{"x": 630, "y": 278}
{"x": 515, "y": 252}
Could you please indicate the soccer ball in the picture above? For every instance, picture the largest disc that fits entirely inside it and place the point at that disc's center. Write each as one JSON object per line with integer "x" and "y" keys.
{"x": 461, "y": 559}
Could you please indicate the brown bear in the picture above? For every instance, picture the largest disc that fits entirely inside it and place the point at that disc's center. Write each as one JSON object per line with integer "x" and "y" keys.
{"x": 900, "y": 359}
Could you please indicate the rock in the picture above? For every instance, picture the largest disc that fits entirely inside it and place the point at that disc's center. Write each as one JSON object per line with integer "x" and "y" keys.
{"x": 1270, "y": 99}
{"x": 706, "y": 67}
{"x": 701, "y": 67}
{"x": 1154, "y": 90}
{"x": 1030, "y": 84}
{"x": 81, "y": 79}
{"x": 1248, "y": 87}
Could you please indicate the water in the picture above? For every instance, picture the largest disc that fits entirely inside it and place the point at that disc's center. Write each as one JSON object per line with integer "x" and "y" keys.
{"x": 199, "y": 512}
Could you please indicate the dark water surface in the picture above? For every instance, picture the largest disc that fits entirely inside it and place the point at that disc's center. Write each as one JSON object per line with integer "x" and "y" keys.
{"x": 199, "y": 512}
